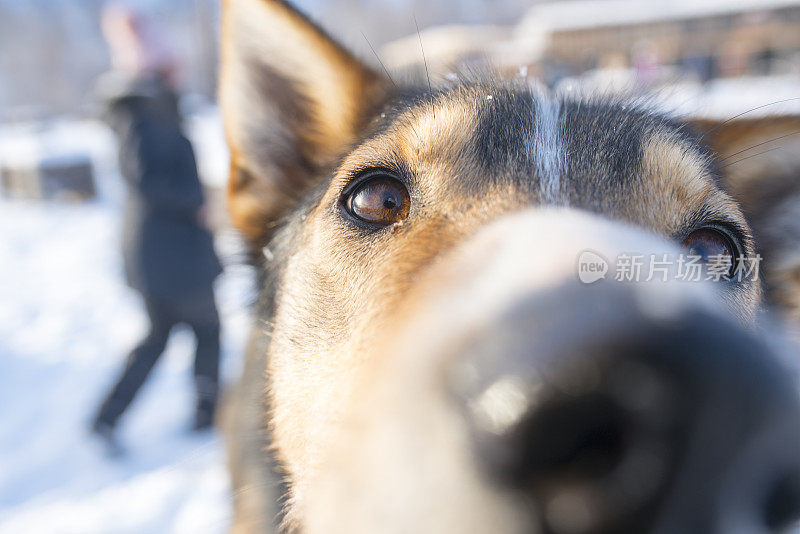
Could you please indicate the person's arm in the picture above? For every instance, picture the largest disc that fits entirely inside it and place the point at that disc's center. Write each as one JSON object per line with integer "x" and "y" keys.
{"x": 169, "y": 183}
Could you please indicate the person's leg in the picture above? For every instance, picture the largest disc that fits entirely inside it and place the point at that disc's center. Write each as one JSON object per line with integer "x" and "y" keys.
{"x": 203, "y": 318}
{"x": 138, "y": 366}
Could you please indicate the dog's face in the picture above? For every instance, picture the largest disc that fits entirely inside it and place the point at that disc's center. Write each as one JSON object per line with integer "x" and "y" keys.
{"x": 418, "y": 185}
{"x": 397, "y": 203}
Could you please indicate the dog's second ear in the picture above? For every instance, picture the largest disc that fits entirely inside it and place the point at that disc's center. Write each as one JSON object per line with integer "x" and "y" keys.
{"x": 292, "y": 99}
{"x": 759, "y": 163}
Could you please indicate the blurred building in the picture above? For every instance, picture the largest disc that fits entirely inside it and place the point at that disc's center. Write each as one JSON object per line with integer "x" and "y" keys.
{"x": 709, "y": 38}
{"x": 700, "y": 39}
{"x": 51, "y": 51}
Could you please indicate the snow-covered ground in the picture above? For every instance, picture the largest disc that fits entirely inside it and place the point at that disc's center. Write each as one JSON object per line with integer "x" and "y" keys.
{"x": 66, "y": 323}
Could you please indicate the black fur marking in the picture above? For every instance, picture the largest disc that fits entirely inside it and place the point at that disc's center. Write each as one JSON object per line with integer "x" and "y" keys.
{"x": 505, "y": 125}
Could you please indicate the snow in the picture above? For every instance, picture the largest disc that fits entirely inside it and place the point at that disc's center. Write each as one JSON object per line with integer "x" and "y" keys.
{"x": 66, "y": 323}
{"x": 204, "y": 128}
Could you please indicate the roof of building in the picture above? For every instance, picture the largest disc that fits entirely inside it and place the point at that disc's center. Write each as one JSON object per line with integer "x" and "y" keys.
{"x": 585, "y": 14}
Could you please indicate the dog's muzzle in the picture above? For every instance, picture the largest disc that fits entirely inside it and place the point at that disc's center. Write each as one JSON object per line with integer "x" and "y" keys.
{"x": 514, "y": 397}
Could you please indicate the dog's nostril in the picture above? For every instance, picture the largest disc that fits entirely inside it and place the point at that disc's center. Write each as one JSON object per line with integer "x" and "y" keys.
{"x": 586, "y": 437}
{"x": 588, "y": 461}
{"x": 782, "y": 508}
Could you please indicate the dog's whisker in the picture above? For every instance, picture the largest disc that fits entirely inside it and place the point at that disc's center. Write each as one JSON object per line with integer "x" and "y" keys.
{"x": 253, "y": 487}
{"x": 746, "y": 112}
{"x": 752, "y": 156}
{"x": 210, "y": 447}
{"x": 760, "y": 144}
{"x": 425, "y": 61}
{"x": 375, "y": 53}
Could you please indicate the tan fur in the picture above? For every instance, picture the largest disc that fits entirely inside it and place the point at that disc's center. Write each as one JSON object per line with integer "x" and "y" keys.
{"x": 765, "y": 180}
{"x": 672, "y": 169}
{"x": 683, "y": 187}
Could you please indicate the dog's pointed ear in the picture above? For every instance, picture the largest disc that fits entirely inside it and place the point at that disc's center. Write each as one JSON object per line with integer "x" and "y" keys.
{"x": 292, "y": 100}
{"x": 759, "y": 164}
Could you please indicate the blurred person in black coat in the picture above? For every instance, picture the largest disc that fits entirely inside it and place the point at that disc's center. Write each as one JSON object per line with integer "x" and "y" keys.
{"x": 168, "y": 250}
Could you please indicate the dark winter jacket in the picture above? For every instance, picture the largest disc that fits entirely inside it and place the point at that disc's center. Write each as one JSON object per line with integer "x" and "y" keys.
{"x": 166, "y": 249}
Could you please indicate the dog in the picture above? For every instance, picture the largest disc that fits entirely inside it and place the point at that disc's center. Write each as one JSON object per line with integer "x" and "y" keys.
{"x": 425, "y": 357}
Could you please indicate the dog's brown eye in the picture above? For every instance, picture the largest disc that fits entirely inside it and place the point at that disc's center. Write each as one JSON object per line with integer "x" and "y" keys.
{"x": 381, "y": 199}
{"x": 715, "y": 249}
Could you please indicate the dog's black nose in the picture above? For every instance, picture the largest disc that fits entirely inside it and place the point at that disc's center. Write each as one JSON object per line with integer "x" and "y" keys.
{"x": 607, "y": 419}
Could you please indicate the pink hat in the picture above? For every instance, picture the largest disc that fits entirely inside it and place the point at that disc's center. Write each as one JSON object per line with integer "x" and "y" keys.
{"x": 135, "y": 44}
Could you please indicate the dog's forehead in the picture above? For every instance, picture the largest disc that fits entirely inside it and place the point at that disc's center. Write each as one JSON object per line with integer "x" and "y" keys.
{"x": 562, "y": 144}
{"x": 514, "y": 146}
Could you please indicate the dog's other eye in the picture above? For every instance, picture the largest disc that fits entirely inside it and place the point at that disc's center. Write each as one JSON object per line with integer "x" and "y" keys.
{"x": 715, "y": 249}
{"x": 380, "y": 199}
